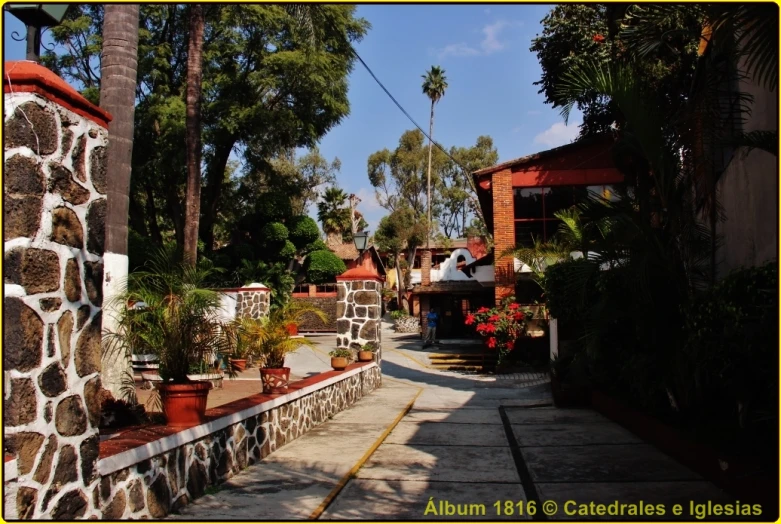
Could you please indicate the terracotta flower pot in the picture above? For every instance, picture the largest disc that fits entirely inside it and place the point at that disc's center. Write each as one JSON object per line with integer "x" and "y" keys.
{"x": 365, "y": 356}
{"x": 339, "y": 363}
{"x": 239, "y": 363}
{"x": 292, "y": 329}
{"x": 184, "y": 404}
{"x": 274, "y": 380}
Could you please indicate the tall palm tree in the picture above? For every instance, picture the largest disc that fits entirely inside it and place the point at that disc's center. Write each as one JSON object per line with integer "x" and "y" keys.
{"x": 119, "y": 61}
{"x": 333, "y": 214}
{"x": 434, "y": 86}
{"x": 193, "y": 134}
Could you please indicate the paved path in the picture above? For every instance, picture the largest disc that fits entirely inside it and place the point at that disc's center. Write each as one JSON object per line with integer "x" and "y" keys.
{"x": 453, "y": 443}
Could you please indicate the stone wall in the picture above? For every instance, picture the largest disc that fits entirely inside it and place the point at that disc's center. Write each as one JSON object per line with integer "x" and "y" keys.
{"x": 252, "y": 303}
{"x": 311, "y": 322}
{"x": 54, "y": 204}
{"x": 157, "y": 485}
{"x": 358, "y": 312}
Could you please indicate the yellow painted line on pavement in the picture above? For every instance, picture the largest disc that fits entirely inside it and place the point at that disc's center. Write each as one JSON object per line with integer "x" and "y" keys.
{"x": 346, "y": 478}
{"x": 416, "y": 361}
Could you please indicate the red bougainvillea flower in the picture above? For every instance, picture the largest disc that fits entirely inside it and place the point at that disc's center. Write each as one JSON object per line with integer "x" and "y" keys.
{"x": 518, "y": 316}
{"x": 514, "y": 306}
{"x": 470, "y": 319}
{"x": 493, "y": 318}
{"x": 491, "y": 342}
{"x": 483, "y": 309}
{"x": 510, "y": 345}
{"x": 599, "y": 38}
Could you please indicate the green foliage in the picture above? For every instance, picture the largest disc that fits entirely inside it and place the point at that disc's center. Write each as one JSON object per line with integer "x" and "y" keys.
{"x": 341, "y": 353}
{"x": 565, "y": 300}
{"x": 268, "y": 339}
{"x": 303, "y": 231}
{"x": 268, "y": 88}
{"x": 399, "y": 313}
{"x": 176, "y": 323}
{"x": 323, "y": 266}
{"x": 317, "y": 245}
{"x": 274, "y": 232}
{"x": 333, "y": 211}
{"x": 275, "y": 276}
{"x": 287, "y": 251}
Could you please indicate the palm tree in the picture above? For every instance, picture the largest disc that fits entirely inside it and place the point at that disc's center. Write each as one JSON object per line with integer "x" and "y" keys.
{"x": 193, "y": 136}
{"x": 434, "y": 86}
{"x": 119, "y": 60}
{"x": 333, "y": 214}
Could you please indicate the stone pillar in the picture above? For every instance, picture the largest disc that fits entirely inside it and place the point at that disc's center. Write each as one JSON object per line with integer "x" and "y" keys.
{"x": 358, "y": 310}
{"x": 54, "y": 204}
{"x": 504, "y": 233}
{"x": 253, "y": 301}
{"x": 425, "y": 267}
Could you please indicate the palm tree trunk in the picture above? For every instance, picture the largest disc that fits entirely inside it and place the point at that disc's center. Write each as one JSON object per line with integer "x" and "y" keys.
{"x": 119, "y": 61}
{"x": 428, "y": 176}
{"x": 193, "y": 137}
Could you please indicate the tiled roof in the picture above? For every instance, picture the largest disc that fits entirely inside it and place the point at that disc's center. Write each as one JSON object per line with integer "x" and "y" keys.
{"x": 346, "y": 251}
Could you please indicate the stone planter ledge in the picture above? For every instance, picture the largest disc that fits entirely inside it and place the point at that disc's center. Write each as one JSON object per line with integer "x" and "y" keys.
{"x": 136, "y": 444}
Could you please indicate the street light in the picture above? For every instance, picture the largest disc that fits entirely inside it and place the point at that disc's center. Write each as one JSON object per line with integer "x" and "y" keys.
{"x": 35, "y": 17}
{"x": 361, "y": 239}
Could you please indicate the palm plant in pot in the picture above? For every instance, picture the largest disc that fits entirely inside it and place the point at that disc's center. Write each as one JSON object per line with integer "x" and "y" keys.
{"x": 179, "y": 324}
{"x": 268, "y": 339}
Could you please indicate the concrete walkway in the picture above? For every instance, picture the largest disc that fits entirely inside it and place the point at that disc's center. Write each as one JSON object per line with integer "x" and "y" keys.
{"x": 440, "y": 445}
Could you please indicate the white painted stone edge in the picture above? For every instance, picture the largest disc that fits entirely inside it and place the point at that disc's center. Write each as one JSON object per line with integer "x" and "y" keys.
{"x": 10, "y": 471}
{"x": 133, "y": 456}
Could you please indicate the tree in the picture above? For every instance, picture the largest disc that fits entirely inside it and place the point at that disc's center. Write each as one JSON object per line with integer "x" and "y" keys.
{"x": 267, "y": 88}
{"x": 119, "y": 59}
{"x": 434, "y": 86}
{"x": 193, "y": 138}
{"x": 322, "y": 267}
{"x": 396, "y": 232}
{"x": 334, "y": 214}
{"x": 457, "y": 194}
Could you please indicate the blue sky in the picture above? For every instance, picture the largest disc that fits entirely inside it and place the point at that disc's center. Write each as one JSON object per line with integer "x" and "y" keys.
{"x": 484, "y": 50}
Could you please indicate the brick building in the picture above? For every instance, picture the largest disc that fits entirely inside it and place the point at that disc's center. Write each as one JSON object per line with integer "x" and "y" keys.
{"x": 520, "y": 197}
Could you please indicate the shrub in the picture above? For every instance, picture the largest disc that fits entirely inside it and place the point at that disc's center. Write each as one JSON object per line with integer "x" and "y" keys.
{"x": 500, "y": 326}
{"x": 303, "y": 231}
{"x": 344, "y": 353}
{"x": 287, "y": 251}
{"x": 274, "y": 232}
{"x": 323, "y": 266}
{"x": 399, "y": 313}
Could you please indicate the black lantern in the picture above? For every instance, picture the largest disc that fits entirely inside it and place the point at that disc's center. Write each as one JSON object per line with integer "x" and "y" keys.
{"x": 35, "y": 17}
{"x": 360, "y": 239}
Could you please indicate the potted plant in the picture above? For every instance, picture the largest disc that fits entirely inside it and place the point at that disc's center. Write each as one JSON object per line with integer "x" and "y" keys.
{"x": 500, "y": 327}
{"x": 179, "y": 324}
{"x": 268, "y": 339}
{"x": 366, "y": 353}
{"x": 340, "y": 358}
{"x": 238, "y": 358}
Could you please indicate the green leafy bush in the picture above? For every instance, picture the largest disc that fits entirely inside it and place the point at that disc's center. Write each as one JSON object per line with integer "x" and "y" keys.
{"x": 317, "y": 245}
{"x": 303, "y": 231}
{"x": 323, "y": 266}
{"x": 274, "y": 232}
{"x": 399, "y": 313}
{"x": 288, "y": 250}
{"x": 569, "y": 287}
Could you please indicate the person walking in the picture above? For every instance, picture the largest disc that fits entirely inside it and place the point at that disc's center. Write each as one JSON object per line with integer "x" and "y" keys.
{"x": 431, "y": 333}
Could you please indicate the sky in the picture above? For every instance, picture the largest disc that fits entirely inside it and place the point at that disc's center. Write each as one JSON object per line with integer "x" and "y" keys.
{"x": 484, "y": 50}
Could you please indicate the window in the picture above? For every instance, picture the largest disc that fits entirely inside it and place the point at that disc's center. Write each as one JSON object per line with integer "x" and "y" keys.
{"x": 536, "y": 208}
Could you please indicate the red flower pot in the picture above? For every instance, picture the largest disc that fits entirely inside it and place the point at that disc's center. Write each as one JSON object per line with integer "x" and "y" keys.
{"x": 274, "y": 380}
{"x": 184, "y": 404}
{"x": 239, "y": 363}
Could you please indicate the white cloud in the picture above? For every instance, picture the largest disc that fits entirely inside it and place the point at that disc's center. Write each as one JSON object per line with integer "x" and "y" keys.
{"x": 368, "y": 201}
{"x": 460, "y": 49}
{"x": 491, "y": 42}
{"x": 558, "y": 134}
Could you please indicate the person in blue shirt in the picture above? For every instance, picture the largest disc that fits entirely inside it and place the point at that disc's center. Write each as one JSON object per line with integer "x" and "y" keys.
{"x": 431, "y": 332}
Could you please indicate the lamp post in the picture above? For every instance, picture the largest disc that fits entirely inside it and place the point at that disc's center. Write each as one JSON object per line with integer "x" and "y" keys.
{"x": 360, "y": 239}
{"x": 36, "y": 17}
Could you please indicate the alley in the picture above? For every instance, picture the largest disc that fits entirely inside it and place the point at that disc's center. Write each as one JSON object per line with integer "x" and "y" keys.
{"x": 431, "y": 444}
